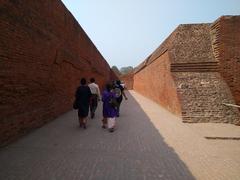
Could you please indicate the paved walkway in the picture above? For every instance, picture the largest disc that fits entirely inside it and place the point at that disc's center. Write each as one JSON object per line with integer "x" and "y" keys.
{"x": 148, "y": 144}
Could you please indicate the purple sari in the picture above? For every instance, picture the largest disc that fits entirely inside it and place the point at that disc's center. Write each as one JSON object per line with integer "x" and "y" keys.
{"x": 108, "y": 110}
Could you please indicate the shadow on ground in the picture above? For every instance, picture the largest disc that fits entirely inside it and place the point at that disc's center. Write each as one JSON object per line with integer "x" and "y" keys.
{"x": 61, "y": 150}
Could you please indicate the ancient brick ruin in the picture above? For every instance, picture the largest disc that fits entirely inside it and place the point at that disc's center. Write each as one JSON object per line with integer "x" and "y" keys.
{"x": 44, "y": 52}
{"x": 195, "y": 70}
{"x": 43, "y": 55}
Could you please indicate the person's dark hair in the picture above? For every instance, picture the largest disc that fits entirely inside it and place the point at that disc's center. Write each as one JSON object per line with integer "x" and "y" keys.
{"x": 92, "y": 80}
{"x": 108, "y": 87}
{"x": 118, "y": 82}
{"x": 83, "y": 81}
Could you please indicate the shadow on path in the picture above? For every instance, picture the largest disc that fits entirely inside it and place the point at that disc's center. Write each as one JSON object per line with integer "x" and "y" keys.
{"x": 62, "y": 151}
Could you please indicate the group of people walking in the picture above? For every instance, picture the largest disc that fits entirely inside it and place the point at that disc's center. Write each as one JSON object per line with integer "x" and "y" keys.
{"x": 87, "y": 97}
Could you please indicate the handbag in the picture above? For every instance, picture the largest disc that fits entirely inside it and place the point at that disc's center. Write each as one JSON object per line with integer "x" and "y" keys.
{"x": 113, "y": 102}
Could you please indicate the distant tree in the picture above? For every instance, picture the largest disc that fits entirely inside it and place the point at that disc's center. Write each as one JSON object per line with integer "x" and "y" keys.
{"x": 126, "y": 70}
{"x": 116, "y": 71}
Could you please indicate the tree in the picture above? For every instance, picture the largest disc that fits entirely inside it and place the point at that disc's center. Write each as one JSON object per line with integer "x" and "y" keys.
{"x": 126, "y": 70}
{"x": 116, "y": 71}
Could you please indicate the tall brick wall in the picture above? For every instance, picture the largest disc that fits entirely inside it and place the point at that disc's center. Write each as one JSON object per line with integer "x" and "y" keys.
{"x": 43, "y": 55}
{"x": 195, "y": 77}
{"x": 196, "y": 73}
{"x": 226, "y": 44}
{"x": 156, "y": 82}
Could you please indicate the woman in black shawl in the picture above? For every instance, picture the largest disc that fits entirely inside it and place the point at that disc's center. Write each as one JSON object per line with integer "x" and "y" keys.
{"x": 83, "y": 95}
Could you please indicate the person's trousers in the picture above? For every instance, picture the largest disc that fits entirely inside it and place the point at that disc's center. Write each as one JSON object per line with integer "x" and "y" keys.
{"x": 93, "y": 103}
{"x": 111, "y": 122}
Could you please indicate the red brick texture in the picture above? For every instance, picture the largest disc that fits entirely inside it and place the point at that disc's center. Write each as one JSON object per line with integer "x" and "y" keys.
{"x": 226, "y": 44}
{"x": 156, "y": 82}
{"x": 43, "y": 55}
{"x": 189, "y": 77}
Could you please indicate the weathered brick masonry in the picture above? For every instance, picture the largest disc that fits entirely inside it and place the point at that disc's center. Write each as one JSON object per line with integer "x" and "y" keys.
{"x": 190, "y": 77}
{"x": 43, "y": 54}
{"x": 226, "y": 47}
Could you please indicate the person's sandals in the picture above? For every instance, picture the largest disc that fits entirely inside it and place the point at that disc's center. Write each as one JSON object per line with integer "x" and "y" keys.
{"x": 111, "y": 130}
{"x": 103, "y": 126}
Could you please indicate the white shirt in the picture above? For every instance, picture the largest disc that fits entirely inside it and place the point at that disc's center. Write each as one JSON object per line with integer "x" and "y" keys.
{"x": 94, "y": 89}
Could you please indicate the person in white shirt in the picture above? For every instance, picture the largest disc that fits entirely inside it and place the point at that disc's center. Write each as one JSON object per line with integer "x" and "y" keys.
{"x": 95, "y": 96}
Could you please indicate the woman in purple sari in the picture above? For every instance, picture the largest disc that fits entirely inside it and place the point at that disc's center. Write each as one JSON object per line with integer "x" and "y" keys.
{"x": 109, "y": 108}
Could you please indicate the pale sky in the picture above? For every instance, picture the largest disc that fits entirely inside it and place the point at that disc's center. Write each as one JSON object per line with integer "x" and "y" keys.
{"x": 126, "y": 32}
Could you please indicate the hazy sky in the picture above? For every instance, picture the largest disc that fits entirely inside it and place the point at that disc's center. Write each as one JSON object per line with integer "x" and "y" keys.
{"x": 127, "y": 31}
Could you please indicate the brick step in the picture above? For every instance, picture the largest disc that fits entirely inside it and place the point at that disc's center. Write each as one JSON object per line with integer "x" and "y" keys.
{"x": 195, "y": 67}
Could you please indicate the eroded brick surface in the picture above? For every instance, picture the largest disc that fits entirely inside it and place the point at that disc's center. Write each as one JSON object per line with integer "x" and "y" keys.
{"x": 226, "y": 45}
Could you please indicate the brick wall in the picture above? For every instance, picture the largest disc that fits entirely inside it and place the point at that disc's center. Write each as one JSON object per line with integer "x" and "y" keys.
{"x": 191, "y": 70}
{"x": 192, "y": 44}
{"x": 226, "y": 44}
{"x": 156, "y": 82}
{"x": 43, "y": 55}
